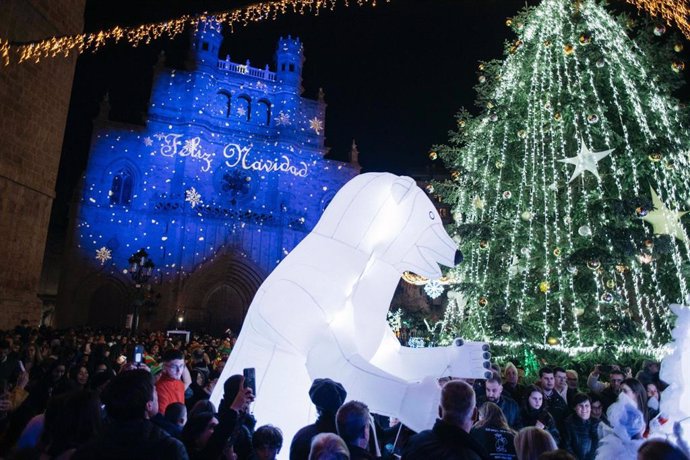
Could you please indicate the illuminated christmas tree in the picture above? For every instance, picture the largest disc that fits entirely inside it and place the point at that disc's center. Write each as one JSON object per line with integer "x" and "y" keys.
{"x": 569, "y": 188}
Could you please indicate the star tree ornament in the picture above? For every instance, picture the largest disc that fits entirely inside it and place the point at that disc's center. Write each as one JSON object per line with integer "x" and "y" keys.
{"x": 586, "y": 160}
{"x": 103, "y": 255}
{"x": 192, "y": 197}
{"x": 664, "y": 221}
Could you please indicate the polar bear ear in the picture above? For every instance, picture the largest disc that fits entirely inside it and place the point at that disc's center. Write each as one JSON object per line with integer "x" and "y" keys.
{"x": 401, "y": 187}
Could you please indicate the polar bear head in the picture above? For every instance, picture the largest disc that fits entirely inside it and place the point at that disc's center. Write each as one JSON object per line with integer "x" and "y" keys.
{"x": 391, "y": 219}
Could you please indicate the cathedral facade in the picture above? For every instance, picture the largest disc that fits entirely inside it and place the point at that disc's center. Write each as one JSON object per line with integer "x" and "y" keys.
{"x": 226, "y": 176}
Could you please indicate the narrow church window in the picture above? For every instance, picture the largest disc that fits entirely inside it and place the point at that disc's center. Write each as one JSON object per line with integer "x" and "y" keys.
{"x": 121, "y": 190}
{"x": 292, "y": 67}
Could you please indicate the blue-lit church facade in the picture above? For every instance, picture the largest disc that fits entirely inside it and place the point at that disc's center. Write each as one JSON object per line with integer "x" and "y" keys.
{"x": 225, "y": 178}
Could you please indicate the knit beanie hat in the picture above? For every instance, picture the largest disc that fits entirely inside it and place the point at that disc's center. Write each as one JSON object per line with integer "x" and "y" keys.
{"x": 327, "y": 395}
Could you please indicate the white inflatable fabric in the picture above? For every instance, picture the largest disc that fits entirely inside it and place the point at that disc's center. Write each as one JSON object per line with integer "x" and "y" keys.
{"x": 322, "y": 312}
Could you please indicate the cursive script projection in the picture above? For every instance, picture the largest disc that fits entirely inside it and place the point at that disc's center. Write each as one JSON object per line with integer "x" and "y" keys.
{"x": 191, "y": 148}
{"x": 235, "y": 154}
{"x": 239, "y": 156}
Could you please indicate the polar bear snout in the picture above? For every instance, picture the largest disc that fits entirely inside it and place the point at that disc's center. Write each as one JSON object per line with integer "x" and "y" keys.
{"x": 458, "y": 257}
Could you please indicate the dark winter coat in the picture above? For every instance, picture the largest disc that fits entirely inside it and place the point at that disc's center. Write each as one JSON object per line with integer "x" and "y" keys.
{"x": 531, "y": 416}
{"x": 510, "y": 410}
{"x": 580, "y": 437}
{"x": 499, "y": 443}
{"x": 443, "y": 441}
{"x": 301, "y": 443}
{"x": 357, "y": 453}
{"x": 557, "y": 407}
{"x": 136, "y": 440}
{"x": 516, "y": 392}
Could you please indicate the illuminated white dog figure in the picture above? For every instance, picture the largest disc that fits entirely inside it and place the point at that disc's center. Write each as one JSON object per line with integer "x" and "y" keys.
{"x": 322, "y": 312}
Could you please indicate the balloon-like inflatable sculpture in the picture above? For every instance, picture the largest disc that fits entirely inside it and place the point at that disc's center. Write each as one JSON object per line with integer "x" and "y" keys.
{"x": 322, "y": 312}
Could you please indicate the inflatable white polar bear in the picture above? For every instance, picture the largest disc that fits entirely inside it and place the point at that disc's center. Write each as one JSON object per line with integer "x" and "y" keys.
{"x": 322, "y": 311}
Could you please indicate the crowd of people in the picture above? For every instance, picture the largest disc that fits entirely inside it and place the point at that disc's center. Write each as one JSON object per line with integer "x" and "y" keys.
{"x": 85, "y": 394}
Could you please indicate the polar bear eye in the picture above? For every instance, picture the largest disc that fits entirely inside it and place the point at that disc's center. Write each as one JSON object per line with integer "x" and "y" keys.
{"x": 431, "y": 215}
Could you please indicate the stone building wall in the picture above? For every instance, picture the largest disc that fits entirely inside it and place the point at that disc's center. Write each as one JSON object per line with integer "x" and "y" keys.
{"x": 34, "y": 100}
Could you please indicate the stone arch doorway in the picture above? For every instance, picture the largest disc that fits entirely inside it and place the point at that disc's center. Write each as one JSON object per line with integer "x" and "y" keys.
{"x": 108, "y": 306}
{"x": 216, "y": 297}
{"x": 225, "y": 309}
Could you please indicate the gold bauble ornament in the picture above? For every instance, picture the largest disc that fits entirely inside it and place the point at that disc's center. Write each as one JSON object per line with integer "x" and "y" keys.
{"x": 593, "y": 119}
{"x": 655, "y": 157}
{"x": 544, "y": 287}
{"x": 579, "y": 311}
{"x": 481, "y": 67}
{"x": 526, "y": 216}
{"x": 483, "y": 244}
{"x": 522, "y": 134}
{"x": 678, "y": 66}
{"x": 648, "y": 244}
{"x": 455, "y": 175}
{"x": 678, "y": 47}
{"x": 483, "y": 301}
{"x": 568, "y": 49}
{"x": 505, "y": 328}
{"x": 669, "y": 164}
{"x": 547, "y": 43}
{"x": 498, "y": 164}
{"x": 593, "y": 264}
{"x": 585, "y": 39}
{"x": 557, "y": 116}
{"x": 610, "y": 284}
{"x": 430, "y": 188}
{"x": 621, "y": 268}
{"x": 509, "y": 22}
{"x": 462, "y": 123}
{"x": 552, "y": 341}
{"x": 482, "y": 79}
{"x": 557, "y": 252}
{"x": 433, "y": 155}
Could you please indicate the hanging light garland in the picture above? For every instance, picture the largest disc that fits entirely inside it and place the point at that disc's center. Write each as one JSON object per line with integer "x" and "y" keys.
{"x": 145, "y": 33}
{"x": 671, "y": 11}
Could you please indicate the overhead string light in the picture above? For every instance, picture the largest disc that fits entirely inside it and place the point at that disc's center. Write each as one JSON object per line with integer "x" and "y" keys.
{"x": 143, "y": 34}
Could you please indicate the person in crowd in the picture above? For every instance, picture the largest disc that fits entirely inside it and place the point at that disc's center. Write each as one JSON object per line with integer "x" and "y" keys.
{"x": 658, "y": 449}
{"x": 172, "y": 384}
{"x": 267, "y": 442}
{"x": 511, "y": 384}
{"x": 209, "y": 437}
{"x": 493, "y": 433}
{"x": 573, "y": 379}
{"x": 204, "y": 405}
{"x": 556, "y": 405}
{"x": 198, "y": 387}
{"x": 580, "y": 432}
{"x": 31, "y": 358}
{"x": 128, "y": 400}
{"x": 327, "y": 395}
{"x": 176, "y": 414}
{"x": 559, "y": 454}
{"x": 625, "y": 435}
{"x": 652, "y": 400}
{"x": 597, "y": 408}
{"x": 607, "y": 392}
{"x": 649, "y": 373}
{"x": 245, "y": 422}
{"x": 494, "y": 393}
{"x": 328, "y": 446}
{"x": 561, "y": 385}
{"x": 79, "y": 377}
{"x": 353, "y": 422}
{"x": 9, "y": 364}
{"x": 531, "y": 442}
{"x": 449, "y": 439}
{"x": 635, "y": 391}
{"x": 70, "y": 421}
{"x": 535, "y": 412}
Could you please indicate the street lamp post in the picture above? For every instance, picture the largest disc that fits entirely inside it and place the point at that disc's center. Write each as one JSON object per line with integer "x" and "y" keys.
{"x": 140, "y": 269}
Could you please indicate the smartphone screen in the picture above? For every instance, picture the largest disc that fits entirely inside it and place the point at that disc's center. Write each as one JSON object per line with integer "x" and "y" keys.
{"x": 250, "y": 379}
{"x": 138, "y": 353}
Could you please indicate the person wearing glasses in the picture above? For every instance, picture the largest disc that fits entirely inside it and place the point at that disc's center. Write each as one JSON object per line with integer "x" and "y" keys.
{"x": 608, "y": 392}
{"x": 174, "y": 380}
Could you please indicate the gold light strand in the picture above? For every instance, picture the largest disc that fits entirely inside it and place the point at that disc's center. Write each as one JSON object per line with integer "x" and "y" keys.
{"x": 145, "y": 33}
{"x": 672, "y": 11}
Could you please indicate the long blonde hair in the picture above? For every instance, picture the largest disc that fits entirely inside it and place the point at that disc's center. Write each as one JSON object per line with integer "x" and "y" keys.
{"x": 531, "y": 442}
{"x": 490, "y": 415}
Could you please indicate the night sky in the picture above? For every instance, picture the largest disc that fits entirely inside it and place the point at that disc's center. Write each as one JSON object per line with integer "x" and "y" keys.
{"x": 394, "y": 75}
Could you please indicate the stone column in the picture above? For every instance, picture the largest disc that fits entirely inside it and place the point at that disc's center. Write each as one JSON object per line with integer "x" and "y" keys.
{"x": 34, "y": 100}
